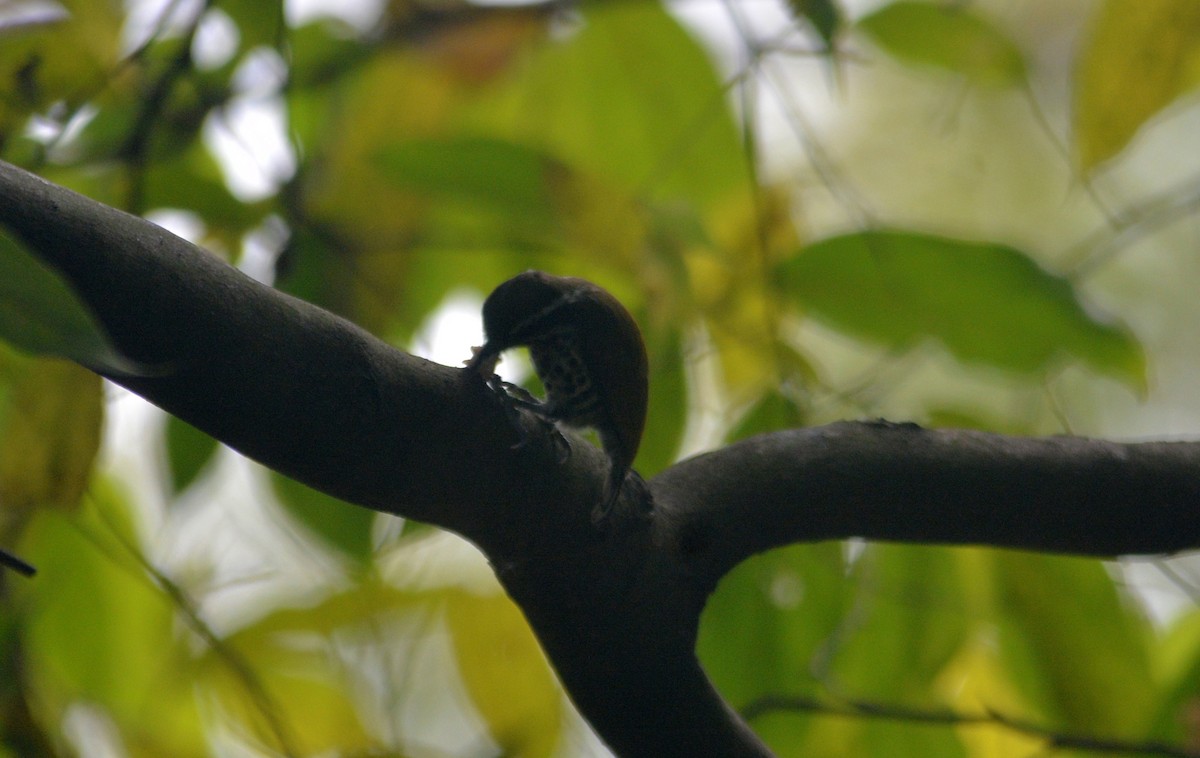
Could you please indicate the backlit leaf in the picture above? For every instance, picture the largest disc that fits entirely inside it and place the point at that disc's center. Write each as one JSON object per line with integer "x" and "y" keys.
{"x": 667, "y": 410}
{"x": 99, "y": 632}
{"x": 340, "y": 525}
{"x": 824, "y": 15}
{"x": 1177, "y": 663}
{"x": 1137, "y": 59}
{"x": 1069, "y": 641}
{"x": 492, "y": 173}
{"x": 505, "y": 673}
{"x": 64, "y": 61}
{"x": 299, "y": 699}
{"x": 39, "y": 313}
{"x": 772, "y": 412}
{"x": 910, "y": 622}
{"x": 50, "y": 436}
{"x": 952, "y": 38}
{"x": 587, "y": 101}
{"x": 188, "y": 451}
{"x": 763, "y": 626}
{"x": 259, "y": 22}
{"x": 986, "y": 303}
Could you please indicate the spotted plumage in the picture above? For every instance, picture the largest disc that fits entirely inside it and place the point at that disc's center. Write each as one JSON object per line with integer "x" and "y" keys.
{"x": 588, "y": 352}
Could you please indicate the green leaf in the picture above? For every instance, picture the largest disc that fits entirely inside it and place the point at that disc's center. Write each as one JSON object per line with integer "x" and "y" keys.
{"x": 309, "y": 269}
{"x": 504, "y": 176}
{"x": 505, "y": 673}
{"x": 824, "y": 15}
{"x": 340, "y": 525}
{"x": 666, "y": 414}
{"x": 320, "y": 51}
{"x": 948, "y": 37}
{"x": 772, "y": 412}
{"x": 296, "y": 693}
{"x": 1177, "y": 663}
{"x": 192, "y": 181}
{"x": 99, "y": 632}
{"x": 761, "y": 631}
{"x": 50, "y": 436}
{"x": 188, "y": 451}
{"x": 987, "y": 303}
{"x": 65, "y": 62}
{"x": 589, "y": 102}
{"x": 298, "y": 656}
{"x": 1138, "y": 58}
{"x": 909, "y": 623}
{"x": 1069, "y": 641}
{"x": 259, "y": 22}
{"x": 767, "y": 619}
{"x": 40, "y": 314}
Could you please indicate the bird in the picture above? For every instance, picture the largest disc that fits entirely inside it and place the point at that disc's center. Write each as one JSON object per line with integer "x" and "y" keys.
{"x": 588, "y": 353}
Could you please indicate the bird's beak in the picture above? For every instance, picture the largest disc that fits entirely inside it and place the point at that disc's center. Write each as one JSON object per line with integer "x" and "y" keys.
{"x": 484, "y": 360}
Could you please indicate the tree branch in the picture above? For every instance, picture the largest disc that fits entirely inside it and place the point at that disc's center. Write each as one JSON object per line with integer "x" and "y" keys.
{"x": 1055, "y": 740}
{"x": 616, "y": 610}
{"x": 278, "y": 379}
{"x": 903, "y": 483}
{"x": 318, "y": 399}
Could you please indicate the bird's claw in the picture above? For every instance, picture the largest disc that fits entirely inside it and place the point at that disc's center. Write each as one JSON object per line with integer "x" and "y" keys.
{"x": 500, "y": 388}
{"x": 512, "y": 398}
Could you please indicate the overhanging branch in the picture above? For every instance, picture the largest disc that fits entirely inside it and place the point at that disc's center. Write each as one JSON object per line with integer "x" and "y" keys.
{"x": 313, "y": 396}
{"x": 284, "y": 382}
{"x": 617, "y": 610}
{"x": 903, "y": 483}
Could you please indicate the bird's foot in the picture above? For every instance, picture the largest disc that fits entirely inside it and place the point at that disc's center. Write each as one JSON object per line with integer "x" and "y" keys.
{"x": 514, "y": 398}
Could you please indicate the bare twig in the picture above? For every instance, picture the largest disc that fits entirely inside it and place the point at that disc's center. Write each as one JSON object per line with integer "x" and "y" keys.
{"x": 894, "y": 712}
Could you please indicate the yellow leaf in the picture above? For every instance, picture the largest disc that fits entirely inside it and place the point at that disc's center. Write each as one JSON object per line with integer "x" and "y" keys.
{"x": 733, "y": 286}
{"x": 599, "y": 218}
{"x": 65, "y": 59}
{"x": 394, "y": 94}
{"x": 51, "y": 435}
{"x": 506, "y": 674}
{"x": 977, "y": 684}
{"x": 296, "y": 696}
{"x": 1139, "y": 57}
{"x": 97, "y": 633}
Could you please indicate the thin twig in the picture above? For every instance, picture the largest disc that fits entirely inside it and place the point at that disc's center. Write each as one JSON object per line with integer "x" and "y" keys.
{"x": 241, "y": 668}
{"x": 893, "y": 712}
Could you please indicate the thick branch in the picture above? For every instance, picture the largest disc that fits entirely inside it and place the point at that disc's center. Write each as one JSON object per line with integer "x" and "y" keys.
{"x": 902, "y": 483}
{"x": 284, "y": 382}
{"x": 315, "y": 397}
{"x": 618, "y": 618}
{"x": 616, "y": 610}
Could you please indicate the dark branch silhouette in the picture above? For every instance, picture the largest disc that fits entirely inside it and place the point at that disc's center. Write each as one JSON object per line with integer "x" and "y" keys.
{"x": 887, "y": 712}
{"x": 617, "y": 608}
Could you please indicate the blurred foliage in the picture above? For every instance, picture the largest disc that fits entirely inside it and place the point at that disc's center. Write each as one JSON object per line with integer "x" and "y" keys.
{"x": 1138, "y": 60}
{"x": 896, "y": 288}
{"x": 380, "y": 167}
{"x": 958, "y": 41}
{"x": 39, "y": 313}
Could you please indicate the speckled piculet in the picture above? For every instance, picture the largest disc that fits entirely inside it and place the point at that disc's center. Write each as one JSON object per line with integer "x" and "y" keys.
{"x": 587, "y": 351}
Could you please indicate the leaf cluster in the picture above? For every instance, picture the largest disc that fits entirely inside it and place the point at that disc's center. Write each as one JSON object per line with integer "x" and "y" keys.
{"x": 438, "y": 150}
